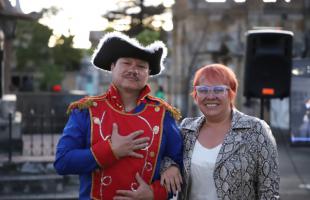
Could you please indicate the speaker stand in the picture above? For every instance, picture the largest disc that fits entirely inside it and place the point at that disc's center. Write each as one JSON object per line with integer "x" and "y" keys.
{"x": 262, "y": 105}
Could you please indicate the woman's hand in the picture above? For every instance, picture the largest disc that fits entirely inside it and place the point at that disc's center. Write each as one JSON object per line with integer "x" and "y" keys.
{"x": 171, "y": 178}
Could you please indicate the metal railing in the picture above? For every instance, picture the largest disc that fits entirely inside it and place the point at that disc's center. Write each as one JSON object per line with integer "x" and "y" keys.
{"x": 39, "y": 135}
{"x": 41, "y": 132}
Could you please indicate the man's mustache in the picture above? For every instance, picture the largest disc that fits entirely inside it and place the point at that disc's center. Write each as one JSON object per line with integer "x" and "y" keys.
{"x": 132, "y": 75}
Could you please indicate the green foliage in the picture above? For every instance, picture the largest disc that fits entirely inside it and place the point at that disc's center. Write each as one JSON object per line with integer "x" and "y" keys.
{"x": 65, "y": 55}
{"x": 109, "y": 29}
{"x": 140, "y": 19}
{"x": 51, "y": 75}
{"x": 34, "y": 55}
{"x": 32, "y": 49}
{"x": 147, "y": 36}
{"x": 31, "y": 45}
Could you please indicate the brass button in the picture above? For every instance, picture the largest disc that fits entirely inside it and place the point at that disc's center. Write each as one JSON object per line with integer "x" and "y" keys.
{"x": 97, "y": 120}
{"x": 152, "y": 154}
{"x": 157, "y": 109}
{"x": 95, "y": 104}
{"x": 118, "y": 105}
{"x": 155, "y": 129}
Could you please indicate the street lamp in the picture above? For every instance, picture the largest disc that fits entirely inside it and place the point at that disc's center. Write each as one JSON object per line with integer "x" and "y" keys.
{"x": 8, "y": 26}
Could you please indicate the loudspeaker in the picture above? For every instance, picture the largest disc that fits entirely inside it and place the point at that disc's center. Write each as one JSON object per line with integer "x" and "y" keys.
{"x": 268, "y": 63}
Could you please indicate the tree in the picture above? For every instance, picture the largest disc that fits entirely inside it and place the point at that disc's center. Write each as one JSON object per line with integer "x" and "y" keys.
{"x": 65, "y": 55}
{"x": 51, "y": 75}
{"x": 31, "y": 45}
{"x": 34, "y": 55}
{"x": 139, "y": 15}
{"x": 147, "y": 36}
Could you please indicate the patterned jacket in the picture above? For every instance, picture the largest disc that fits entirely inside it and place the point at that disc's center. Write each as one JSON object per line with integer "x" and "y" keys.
{"x": 247, "y": 164}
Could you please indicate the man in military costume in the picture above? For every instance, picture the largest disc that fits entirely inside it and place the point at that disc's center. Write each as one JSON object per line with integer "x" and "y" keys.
{"x": 115, "y": 142}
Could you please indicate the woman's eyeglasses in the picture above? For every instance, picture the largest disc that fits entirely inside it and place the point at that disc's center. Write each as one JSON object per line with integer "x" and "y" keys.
{"x": 217, "y": 90}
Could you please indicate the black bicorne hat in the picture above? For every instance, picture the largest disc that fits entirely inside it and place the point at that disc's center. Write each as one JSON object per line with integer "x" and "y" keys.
{"x": 115, "y": 45}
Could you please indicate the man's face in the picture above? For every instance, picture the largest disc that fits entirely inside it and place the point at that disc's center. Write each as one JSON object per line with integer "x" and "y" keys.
{"x": 130, "y": 74}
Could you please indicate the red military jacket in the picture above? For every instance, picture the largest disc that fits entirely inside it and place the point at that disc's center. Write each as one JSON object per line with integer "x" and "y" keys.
{"x": 119, "y": 174}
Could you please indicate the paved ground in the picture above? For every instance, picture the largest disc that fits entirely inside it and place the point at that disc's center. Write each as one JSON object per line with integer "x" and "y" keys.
{"x": 294, "y": 169}
{"x": 294, "y": 164}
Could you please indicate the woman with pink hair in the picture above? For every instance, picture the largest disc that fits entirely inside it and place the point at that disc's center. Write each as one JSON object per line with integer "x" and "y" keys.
{"x": 226, "y": 154}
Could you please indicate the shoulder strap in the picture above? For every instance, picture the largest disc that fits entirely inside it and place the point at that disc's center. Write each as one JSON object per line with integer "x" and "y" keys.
{"x": 84, "y": 103}
{"x": 175, "y": 112}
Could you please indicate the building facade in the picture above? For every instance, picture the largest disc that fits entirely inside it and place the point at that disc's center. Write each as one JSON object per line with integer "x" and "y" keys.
{"x": 206, "y": 33}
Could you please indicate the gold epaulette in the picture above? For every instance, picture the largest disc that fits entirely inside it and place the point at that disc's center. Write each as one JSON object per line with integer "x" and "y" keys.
{"x": 176, "y": 113}
{"x": 83, "y": 103}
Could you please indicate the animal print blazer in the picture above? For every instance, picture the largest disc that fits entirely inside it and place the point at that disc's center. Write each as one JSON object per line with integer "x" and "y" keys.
{"x": 247, "y": 164}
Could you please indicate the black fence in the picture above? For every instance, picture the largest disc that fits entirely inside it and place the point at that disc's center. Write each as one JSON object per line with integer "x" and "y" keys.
{"x": 44, "y": 112}
{"x": 43, "y": 119}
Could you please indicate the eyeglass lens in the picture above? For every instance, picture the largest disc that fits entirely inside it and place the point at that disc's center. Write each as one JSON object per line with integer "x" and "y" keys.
{"x": 216, "y": 90}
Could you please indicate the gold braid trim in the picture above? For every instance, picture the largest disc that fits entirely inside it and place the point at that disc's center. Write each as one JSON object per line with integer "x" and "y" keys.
{"x": 83, "y": 103}
{"x": 175, "y": 112}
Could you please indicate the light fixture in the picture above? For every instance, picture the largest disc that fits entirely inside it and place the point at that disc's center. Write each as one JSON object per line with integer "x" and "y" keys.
{"x": 215, "y": 1}
{"x": 269, "y": 1}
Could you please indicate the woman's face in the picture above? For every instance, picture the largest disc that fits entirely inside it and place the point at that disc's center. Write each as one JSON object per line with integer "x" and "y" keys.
{"x": 212, "y": 98}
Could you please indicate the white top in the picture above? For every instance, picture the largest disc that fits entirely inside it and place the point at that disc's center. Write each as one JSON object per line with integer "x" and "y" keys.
{"x": 202, "y": 167}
